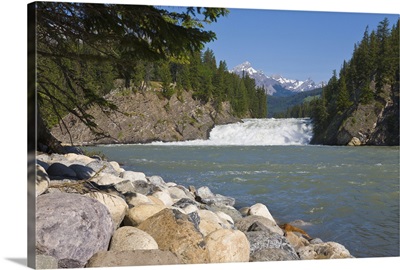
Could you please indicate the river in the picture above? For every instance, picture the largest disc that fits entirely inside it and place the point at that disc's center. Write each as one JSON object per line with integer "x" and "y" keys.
{"x": 348, "y": 195}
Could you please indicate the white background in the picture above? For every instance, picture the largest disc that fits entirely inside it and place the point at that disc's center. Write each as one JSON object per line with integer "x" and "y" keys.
{"x": 13, "y": 87}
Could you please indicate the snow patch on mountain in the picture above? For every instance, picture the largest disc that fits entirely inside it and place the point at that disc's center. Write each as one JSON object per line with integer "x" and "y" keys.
{"x": 275, "y": 84}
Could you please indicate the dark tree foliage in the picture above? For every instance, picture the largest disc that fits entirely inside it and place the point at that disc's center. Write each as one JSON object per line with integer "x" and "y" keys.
{"x": 374, "y": 65}
{"x": 210, "y": 83}
{"x": 82, "y": 47}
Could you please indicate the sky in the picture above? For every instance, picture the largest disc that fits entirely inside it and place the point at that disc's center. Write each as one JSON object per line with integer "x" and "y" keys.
{"x": 294, "y": 44}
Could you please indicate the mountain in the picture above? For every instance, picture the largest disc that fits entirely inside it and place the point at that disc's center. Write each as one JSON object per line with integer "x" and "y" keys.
{"x": 276, "y": 85}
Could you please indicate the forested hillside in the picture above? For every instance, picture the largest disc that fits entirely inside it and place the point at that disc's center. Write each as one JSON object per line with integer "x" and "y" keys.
{"x": 360, "y": 104}
{"x": 83, "y": 49}
{"x": 295, "y": 106}
{"x": 207, "y": 81}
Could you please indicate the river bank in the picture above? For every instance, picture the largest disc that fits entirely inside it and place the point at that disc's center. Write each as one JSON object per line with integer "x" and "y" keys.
{"x": 139, "y": 219}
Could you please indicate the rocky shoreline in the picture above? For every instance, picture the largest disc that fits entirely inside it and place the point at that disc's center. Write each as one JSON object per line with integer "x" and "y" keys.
{"x": 92, "y": 213}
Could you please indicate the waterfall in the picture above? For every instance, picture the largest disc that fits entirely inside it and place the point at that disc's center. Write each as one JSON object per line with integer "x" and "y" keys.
{"x": 287, "y": 131}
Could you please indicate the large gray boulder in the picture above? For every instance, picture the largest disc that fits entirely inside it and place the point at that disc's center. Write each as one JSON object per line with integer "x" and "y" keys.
{"x": 258, "y": 223}
{"x": 71, "y": 228}
{"x": 100, "y": 166}
{"x": 227, "y": 209}
{"x": 271, "y": 254}
{"x": 265, "y": 240}
{"x": 204, "y": 195}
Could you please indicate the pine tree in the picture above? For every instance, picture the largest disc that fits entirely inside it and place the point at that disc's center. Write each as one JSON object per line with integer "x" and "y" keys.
{"x": 166, "y": 80}
{"x": 331, "y": 94}
{"x": 343, "y": 101}
{"x": 383, "y": 60}
{"x": 320, "y": 115}
{"x": 139, "y": 72}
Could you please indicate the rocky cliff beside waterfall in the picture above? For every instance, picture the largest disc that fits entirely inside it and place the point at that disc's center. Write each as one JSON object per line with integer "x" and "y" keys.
{"x": 92, "y": 213}
{"x": 144, "y": 117}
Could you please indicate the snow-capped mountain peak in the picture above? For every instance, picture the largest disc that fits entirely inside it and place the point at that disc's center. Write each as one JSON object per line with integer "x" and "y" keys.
{"x": 275, "y": 83}
{"x": 246, "y": 67}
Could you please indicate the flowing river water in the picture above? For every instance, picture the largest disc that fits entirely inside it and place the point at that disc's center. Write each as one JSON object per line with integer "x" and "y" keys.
{"x": 348, "y": 195}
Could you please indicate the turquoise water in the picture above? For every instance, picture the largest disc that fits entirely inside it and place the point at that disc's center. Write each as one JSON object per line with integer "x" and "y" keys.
{"x": 349, "y": 195}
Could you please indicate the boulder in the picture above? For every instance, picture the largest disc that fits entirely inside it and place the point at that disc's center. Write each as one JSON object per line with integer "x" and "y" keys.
{"x": 82, "y": 172}
{"x": 210, "y": 222}
{"x": 209, "y": 216}
{"x": 42, "y": 180}
{"x": 157, "y": 181}
{"x": 258, "y": 223}
{"x": 271, "y": 254}
{"x": 204, "y": 192}
{"x": 135, "y": 199}
{"x": 328, "y": 250}
{"x": 58, "y": 170}
{"x": 354, "y": 142}
{"x": 101, "y": 167}
{"x": 164, "y": 197}
{"x": 187, "y": 205}
{"x": 50, "y": 159}
{"x": 260, "y": 209}
{"x": 133, "y": 258}
{"x": 131, "y": 238}
{"x": 155, "y": 200}
{"x": 173, "y": 231}
{"x": 115, "y": 205}
{"x": 178, "y": 192}
{"x": 71, "y": 227}
{"x": 184, "y": 202}
{"x": 116, "y": 166}
{"x": 226, "y": 220}
{"x": 206, "y": 227}
{"x": 244, "y": 211}
{"x": 73, "y": 158}
{"x": 142, "y": 187}
{"x": 227, "y": 245}
{"x": 133, "y": 176}
{"x": 125, "y": 186}
{"x": 229, "y": 210}
{"x": 262, "y": 240}
{"x": 296, "y": 241}
{"x": 316, "y": 241}
{"x": 140, "y": 213}
{"x": 204, "y": 195}
{"x": 45, "y": 165}
{"x": 104, "y": 179}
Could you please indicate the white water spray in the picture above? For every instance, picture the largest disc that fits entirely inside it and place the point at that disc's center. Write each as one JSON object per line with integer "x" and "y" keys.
{"x": 289, "y": 131}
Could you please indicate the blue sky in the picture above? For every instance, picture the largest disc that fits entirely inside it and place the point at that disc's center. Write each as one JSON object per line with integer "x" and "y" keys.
{"x": 294, "y": 44}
